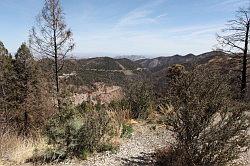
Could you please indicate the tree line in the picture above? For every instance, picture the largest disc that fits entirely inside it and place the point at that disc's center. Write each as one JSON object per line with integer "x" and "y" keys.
{"x": 23, "y": 91}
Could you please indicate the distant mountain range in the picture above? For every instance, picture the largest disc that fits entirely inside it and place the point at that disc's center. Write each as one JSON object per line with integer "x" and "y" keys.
{"x": 156, "y": 64}
{"x": 117, "y": 70}
{"x": 134, "y": 62}
{"x": 131, "y": 57}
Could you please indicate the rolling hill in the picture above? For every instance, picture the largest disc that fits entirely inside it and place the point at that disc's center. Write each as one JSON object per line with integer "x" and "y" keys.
{"x": 118, "y": 71}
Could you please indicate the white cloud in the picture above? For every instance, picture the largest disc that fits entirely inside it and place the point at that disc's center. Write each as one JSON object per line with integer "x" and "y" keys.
{"x": 196, "y": 39}
{"x": 195, "y": 30}
{"x": 136, "y": 18}
{"x": 162, "y": 15}
{"x": 141, "y": 15}
{"x": 127, "y": 36}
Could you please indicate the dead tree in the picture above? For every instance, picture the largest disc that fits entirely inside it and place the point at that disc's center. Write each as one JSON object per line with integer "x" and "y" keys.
{"x": 235, "y": 39}
{"x": 51, "y": 37}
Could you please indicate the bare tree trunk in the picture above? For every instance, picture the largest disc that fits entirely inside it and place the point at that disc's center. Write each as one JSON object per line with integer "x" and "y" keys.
{"x": 237, "y": 39}
{"x": 56, "y": 73}
{"x": 244, "y": 68}
{"x": 56, "y": 58}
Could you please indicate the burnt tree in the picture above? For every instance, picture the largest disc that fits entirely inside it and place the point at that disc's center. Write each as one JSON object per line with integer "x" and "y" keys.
{"x": 236, "y": 38}
{"x": 51, "y": 37}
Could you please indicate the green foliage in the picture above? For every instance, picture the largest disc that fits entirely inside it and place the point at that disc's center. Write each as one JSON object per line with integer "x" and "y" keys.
{"x": 89, "y": 71}
{"x": 88, "y": 77}
{"x": 52, "y": 154}
{"x": 84, "y": 154}
{"x": 121, "y": 104}
{"x": 22, "y": 92}
{"x": 128, "y": 64}
{"x": 29, "y": 93}
{"x": 108, "y": 147}
{"x": 79, "y": 131}
{"x": 6, "y": 76}
{"x": 138, "y": 100}
{"x": 104, "y": 63}
{"x": 139, "y": 97}
{"x": 127, "y": 131}
{"x": 25, "y": 71}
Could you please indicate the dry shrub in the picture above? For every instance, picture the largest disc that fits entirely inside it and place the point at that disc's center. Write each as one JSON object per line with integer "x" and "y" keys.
{"x": 118, "y": 118}
{"x": 169, "y": 156}
{"x": 120, "y": 115}
{"x": 210, "y": 127}
{"x": 121, "y": 110}
{"x": 158, "y": 114}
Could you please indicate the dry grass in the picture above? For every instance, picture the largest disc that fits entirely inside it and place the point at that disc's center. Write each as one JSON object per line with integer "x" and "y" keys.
{"x": 158, "y": 115}
{"x": 118, "y": 118}
{"x": 15, "y": 150}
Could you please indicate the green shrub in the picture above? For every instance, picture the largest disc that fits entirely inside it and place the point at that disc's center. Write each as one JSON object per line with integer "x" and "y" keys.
{"x": 139, "y": 98}
{"x": 84, "y": 154}
{"x": 127, "y": 131}
{"x": 76, "y": 132}
{"x": 108, "y": 147}
{"x": 119, "y": 105}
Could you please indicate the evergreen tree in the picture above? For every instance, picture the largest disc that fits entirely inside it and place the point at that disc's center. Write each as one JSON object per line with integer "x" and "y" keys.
{"x": 28, "y": 92}
{"x": 6, "y": 74}
{"x": 52, "y": 38}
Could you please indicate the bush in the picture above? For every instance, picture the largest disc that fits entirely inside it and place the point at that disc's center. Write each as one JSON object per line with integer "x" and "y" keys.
{"x": 139, "y": 98}
{"x": 79, "y": 131}
{"x": 121, "y": 110}
{"x": 127, "y": 131}
{"x": 210, "y": 128}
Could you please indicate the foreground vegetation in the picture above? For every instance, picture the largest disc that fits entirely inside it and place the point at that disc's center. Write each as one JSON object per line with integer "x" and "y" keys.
{"x": 209, "y": 126}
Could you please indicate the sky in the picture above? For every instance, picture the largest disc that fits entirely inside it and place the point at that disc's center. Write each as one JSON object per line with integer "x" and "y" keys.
{"x": 127, "y": 27}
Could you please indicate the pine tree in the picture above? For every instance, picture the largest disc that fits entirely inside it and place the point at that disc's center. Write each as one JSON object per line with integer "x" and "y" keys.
{"x": 6, "y": 74}
{"x": 52, "y": 38}
{"x": 28, "y": 92}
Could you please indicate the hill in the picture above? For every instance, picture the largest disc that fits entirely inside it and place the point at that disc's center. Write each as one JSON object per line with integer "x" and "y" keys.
{"x": 119, "y": 71}
{"x": 101, "y": 69}
{"x": 159, "y": 63}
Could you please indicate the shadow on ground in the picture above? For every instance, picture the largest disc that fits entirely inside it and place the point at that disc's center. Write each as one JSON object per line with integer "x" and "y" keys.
{"x": 144, "y": 159}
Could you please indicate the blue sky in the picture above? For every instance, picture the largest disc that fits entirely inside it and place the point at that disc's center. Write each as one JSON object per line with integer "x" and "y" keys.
{"x": 124, "y": 27}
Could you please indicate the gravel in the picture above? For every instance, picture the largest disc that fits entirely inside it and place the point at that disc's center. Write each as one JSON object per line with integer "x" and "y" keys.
{"x": 136, "y": 150}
